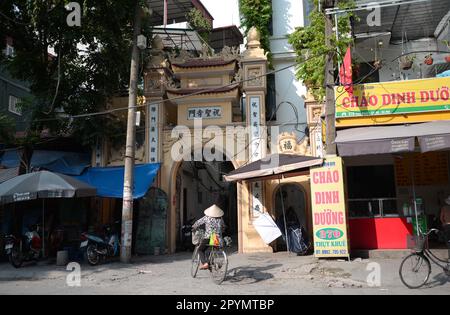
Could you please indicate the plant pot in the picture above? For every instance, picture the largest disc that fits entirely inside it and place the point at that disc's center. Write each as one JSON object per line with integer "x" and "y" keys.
{"x": 406, "y": 64}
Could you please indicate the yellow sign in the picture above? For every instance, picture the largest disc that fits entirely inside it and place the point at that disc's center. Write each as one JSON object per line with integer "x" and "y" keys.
{"x": 329, "y": 210}
{"x": 413, "y": 97}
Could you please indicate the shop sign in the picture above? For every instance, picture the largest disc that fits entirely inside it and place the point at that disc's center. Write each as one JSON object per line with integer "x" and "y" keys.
{"x": 393, "y": 98}
{"x": 329, "y": 210}
{"x": 212, "y": 112}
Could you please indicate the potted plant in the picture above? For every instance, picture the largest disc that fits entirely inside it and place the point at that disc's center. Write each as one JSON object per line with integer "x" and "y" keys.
{"x": 429, "y": 60}
{"x": 406, "y": 62}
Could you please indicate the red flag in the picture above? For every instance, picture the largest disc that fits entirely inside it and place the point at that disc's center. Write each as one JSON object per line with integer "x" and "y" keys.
{"x": 345, "y": 73}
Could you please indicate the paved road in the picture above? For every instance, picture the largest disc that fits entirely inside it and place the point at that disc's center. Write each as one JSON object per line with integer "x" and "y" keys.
{"x": 255, "y": 274}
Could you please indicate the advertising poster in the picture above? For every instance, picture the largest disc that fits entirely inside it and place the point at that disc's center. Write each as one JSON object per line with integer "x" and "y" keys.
{"x": 329, "y": 210}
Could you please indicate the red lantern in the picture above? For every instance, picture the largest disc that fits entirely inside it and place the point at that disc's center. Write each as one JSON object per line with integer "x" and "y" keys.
{"x": 447, "y": 59}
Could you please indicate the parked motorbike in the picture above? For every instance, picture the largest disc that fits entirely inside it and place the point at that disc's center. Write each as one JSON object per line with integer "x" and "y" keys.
{"x": 97, "y": 248}
{"x": 24, "y": 249}
{"x": 186, "y": 232}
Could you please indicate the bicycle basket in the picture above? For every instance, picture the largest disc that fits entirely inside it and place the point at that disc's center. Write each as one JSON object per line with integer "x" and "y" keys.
{"x": 197, "y": 237}
{"x": 416, "y": 242}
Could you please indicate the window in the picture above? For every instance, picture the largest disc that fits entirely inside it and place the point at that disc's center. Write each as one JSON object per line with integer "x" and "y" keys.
{"x": 372, "y": 191}
{"x": 13, "y": 105}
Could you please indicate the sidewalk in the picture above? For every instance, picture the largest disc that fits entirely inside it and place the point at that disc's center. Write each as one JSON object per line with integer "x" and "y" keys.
{"x": 258, "y": 274}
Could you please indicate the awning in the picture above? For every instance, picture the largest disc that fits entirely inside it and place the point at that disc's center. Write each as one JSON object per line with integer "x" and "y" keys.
{"x": 432, "y": 136}
{"x": 275, "y": 164}
{"x": 42, "y": 185}
{"x": 109, "y": 180}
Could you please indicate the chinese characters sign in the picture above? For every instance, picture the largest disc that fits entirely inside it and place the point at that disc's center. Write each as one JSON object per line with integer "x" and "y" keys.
{"x": 255, "y": 129}
{"x": 204, "y": 113}
{"x": 257, "y": 204}
{"x": 153, "y": 133}
{"x": 256, "y": 152}
{"x": 329, "y": 210}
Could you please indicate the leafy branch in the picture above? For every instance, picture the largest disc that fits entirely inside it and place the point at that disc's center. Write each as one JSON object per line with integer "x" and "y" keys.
{"x": 258, "y": 14}
{"x": 311, "y": 49}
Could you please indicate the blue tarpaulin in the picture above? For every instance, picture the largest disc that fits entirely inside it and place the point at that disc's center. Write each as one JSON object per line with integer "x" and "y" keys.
{"x": 11, "y": 158}
{"x": 109, "y": 180}
{"x": 444, "y": 74}
{"x": 69, "y": 163}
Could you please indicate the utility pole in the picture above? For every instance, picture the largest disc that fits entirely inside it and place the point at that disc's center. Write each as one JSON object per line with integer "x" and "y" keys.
{"x": 127, "y": 207}
{"x": 330, "y": 109}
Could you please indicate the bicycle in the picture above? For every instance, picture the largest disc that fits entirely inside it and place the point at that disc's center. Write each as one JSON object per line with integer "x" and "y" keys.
{"x": 415, "y": 269}
{"x": 217, "y": 261}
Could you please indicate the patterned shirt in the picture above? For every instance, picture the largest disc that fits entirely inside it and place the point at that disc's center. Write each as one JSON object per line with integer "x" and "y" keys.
{"x": 212, "y": 225}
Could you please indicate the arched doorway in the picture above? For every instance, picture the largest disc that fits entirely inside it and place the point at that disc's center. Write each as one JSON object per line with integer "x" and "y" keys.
{"x": 294, "y": 200}
{"x": 199, "y": 185}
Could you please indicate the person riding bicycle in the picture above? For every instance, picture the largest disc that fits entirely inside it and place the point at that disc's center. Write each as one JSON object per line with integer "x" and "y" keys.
{"x": 445, "y": 220}
{"x": 214, "y": 223}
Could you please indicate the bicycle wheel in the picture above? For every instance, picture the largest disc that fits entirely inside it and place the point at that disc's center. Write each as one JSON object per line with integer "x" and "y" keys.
{"x": 218, "y": 265}
{"x": 195, "y": 262}
{"x": 415, "y": 271}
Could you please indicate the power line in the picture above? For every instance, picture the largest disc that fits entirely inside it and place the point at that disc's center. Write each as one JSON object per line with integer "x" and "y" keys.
{"x": 204, "y": 91}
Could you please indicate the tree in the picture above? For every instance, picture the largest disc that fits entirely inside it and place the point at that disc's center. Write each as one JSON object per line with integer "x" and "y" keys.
{"x": 311, "y": 49}
{"x": 6, "y": 127}
{"x": 258, "y": 14}
{"x": 199, "y": 23}
{"x": 88, "y": 65}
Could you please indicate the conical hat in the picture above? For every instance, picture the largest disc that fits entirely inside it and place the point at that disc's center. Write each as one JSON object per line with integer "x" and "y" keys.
{"x": 214, "y": 212}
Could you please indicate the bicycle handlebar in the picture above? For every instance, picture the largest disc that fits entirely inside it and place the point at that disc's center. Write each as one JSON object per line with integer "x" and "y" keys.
{"x": 429, "y": 232}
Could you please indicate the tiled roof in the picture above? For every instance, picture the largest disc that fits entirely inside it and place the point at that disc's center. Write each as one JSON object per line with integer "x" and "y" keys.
{"x": 199, "y": 63}
{"x": 204, "y": 90}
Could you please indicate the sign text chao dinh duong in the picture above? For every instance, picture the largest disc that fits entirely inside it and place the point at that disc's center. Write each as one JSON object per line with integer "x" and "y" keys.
{"x": 329, "y": 210}
{"x": 400, "y": 98}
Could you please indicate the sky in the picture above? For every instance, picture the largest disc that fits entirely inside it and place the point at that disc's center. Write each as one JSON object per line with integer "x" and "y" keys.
{"x": 224, "y": 12}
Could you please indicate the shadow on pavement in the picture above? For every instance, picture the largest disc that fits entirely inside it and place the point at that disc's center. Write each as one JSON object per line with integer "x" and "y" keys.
{"x": 250, "y": 275}
{"x": 438, "y": 280}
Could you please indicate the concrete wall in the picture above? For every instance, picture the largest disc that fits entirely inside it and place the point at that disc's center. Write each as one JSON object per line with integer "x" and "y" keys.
{"x": 287, "y": 15}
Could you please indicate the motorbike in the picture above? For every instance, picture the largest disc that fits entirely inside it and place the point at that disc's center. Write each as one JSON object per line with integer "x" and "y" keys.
{"x": 24, "y": 249}
{"x": 99, "y": 248}
{"x": 186, "y": 232}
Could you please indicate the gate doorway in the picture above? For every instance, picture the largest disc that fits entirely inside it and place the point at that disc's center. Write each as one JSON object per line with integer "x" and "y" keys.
{"x": 200, "y": 185}
{"x": 294, "y": 200}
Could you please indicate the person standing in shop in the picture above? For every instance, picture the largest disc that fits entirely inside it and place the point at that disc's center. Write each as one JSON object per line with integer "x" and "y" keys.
{"x": 445, "y": 220}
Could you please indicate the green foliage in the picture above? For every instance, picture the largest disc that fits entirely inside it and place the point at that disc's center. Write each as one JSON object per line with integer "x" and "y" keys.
{"x": 6, "y": 129}
{"x": 199, "y": 23}
{"x": 257, "y": 13}
{"x": 311, "y": 49}
{"x": 91, "y": 62}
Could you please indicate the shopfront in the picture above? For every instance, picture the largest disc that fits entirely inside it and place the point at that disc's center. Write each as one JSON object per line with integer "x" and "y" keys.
{"x": 397, "y": 168}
